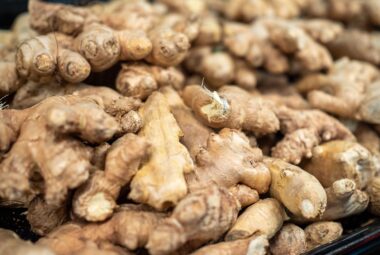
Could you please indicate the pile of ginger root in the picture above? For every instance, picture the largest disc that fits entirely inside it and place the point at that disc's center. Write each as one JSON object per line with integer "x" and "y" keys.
{"x": 173, "y": 127}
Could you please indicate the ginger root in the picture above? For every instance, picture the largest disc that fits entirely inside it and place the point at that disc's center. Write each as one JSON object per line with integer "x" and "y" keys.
{"x": 195, "y": 134}
{"x": 344, "y": 89}
{"x": 228, "y": 160}
{"x": 140, "y": 80}
{"x": 291, "y": 240}
{"x": 373, "y": 191}
{"x": 51, "y": 17}
{"x": 96, "y": 199}
{"x": 103, "y": 46}
{"x": 336, "y": 160}
{"x": 256, "y": 244}
{"x": 305, "y": 129}
{"x": 300, "y": 192}
{"x": 231, "y": 107}
{"x": 323, "y": 232}
{"x": 42, "y": 57}
{"x": 12, "y": 244}
{"x": 202, "y": 216}
{"x": 129, "y": 228}
{"x": 264, "y": 218}
{"x": 344, "y": 199}
{"x": 36, "y": 138}
{"x": 161, "y": 182}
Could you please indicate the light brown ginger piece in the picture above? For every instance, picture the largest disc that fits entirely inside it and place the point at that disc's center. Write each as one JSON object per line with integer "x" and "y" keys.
{"x": 139, "y": 80}
{"x": 291, "y": 240}
{"x": 10, "y": 81}
{"x": 169, "y": 48}
{"x": 336, "y": 160}
{"x": 54, "y": 17}
{"x": 344, "y": 199}
{"x": 307, "y": 54}
{"x": 195, "y": 134}
{"x": 264, "y": 218}
{"x": 43, "y": 57}
{"x": 248, "y": 10}
{"x": 96, "y": 199}
{"x": 305, "y": 129}
{"x": 36, "y": 138}
{"x": 21, "y": 29}
{"x": 369, "y": 108}
{"x": 343, "y": 89}
{"x": 210, "y": 30}
{"x": 43, "y": 217}
{"x": 161, "y": 182}
{"x": 200, "y": 217}
{"x": 185, "y": 24}
{"x": 12, "y": 244}
{"x": 231, "y": 107}
{"x": 246, "y": 195}
{"x": 321, "y": 30}
{"x": 129, "y": 228}
{"x": 228, "y": 160}
{"x": 196, "y": 7}
{"x": 323, "y": 232}
{"x": 373, "y": 191}
{"x": 300, "y": 192}
{"x": 369, "y": 138}
{"x": 31, "y": 93}
{"x": 252, "y": 43}
{"x": 257, "y": 245}
{"x": 103, "y": 46}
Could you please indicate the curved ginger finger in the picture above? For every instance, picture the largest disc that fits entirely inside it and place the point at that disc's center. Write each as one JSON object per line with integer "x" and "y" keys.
{"x": 300, "y": 192}
{"x": 264, "y": 218}
{"x": 291, "y": 239}
{"x": 96, "y": 200}
{"x": 323, "y": 232}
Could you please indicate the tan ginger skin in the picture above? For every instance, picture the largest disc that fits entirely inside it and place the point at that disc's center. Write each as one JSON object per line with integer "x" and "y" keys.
{"x": 345, "y": 91}
{"x": 96, "y": 199}
{"x": 257, "y": 244}
{"x": 161, "y": 182}
{"x": 195, "y": 134}
{"x": 231, "y": 107}
{"x": 140, "y": 80}
{"x": 373, "y": 191}
{"x": 252, "y": 43}
{"x": 291, "y": 240}
{"x": 323, "y": 232}
{"x": 130, "y": 228}
{"x": 336, "y": 160}
{"x": 10, "y": 81}
{"x": 50, "y": 17}
{"x": 103, "y": 46}
{"x": 202, "y": 216}
{"x": 227, "y": 161}
{"x": 305, "y": 129}
{"x": 264, "y": 218}
{"x": 300, "y": 192}
{"x": 42, "y": 57}
{"x": 344, "y": 199}
{"x": 12, "y": 244}
{"x": 31, "y": 136}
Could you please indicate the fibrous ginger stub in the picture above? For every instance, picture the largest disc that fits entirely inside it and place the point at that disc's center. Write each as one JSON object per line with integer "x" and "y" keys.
{"x": 160, "y": 182}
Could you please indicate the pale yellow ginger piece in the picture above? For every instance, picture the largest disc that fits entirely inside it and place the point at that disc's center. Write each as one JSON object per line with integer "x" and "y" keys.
{"x": 264, "y": 217}
{"x": 160, "y": 182}
{"x": 374, "y": 196}
{"x": 300, "y": 192}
